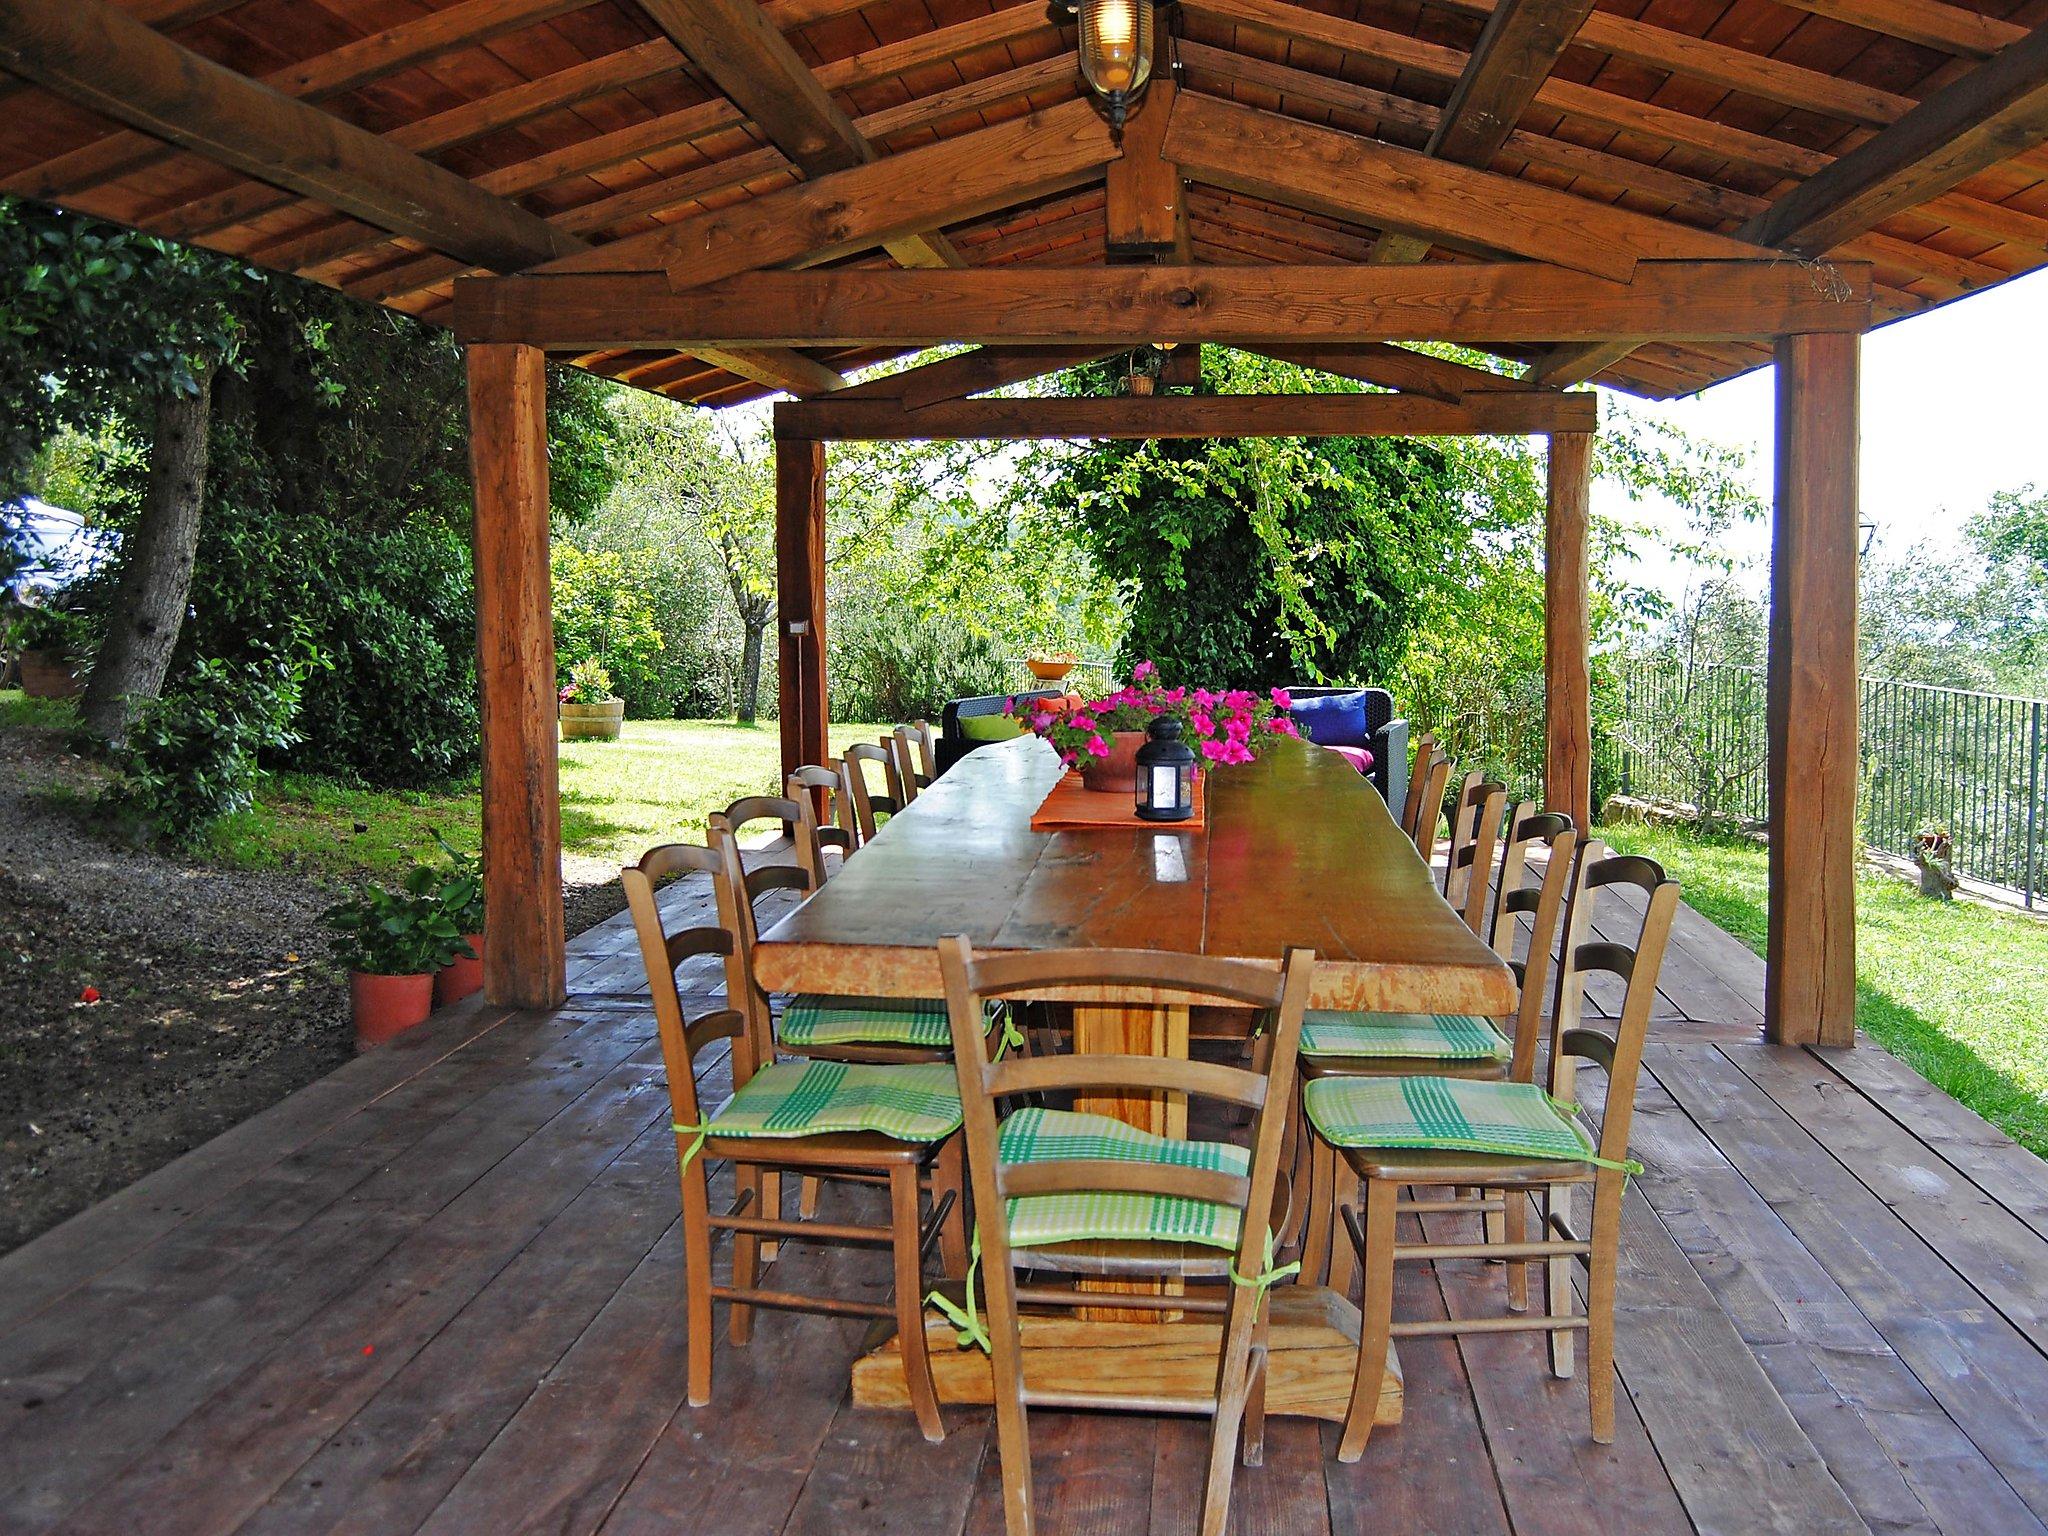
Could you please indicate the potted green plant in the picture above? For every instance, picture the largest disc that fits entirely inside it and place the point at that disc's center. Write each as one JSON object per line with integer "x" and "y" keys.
{"x": 589, "y": 708}
{"x": 457, "y": 883}
{"x": 392, "y": 942}
{"x": 49, "y": 643}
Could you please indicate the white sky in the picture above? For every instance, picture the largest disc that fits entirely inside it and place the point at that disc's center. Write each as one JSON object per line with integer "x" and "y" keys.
{"x": 1954, "y": 408}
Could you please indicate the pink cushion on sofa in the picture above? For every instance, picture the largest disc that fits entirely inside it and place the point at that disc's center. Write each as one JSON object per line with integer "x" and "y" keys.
{"x": 1357, "y": 757}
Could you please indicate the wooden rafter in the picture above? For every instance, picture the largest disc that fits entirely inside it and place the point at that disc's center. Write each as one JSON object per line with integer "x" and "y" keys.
{"x": 1393, "y": 367}
{"x": 1351, "y": 177}
{"x": 1520, "y": 43}
{"x": 1247, "y": 306}
{"x": 106, "y": 60}
{"x": 1143, "y": 209}
{"x": 1175, "y": 416}
{"x": 737, "y": 45}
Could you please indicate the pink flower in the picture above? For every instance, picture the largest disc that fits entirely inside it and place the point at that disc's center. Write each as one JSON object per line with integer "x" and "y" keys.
{"x": 1098, "y": 747}
{"x": 1041, "y": 721}
{"x": 1201, "y": 724}
{"x": 1238, "y": 727}
{"x": 1282, "y": 699}
{"x": 1080, "y": 720}
{"x": 1204, "y": 699}
{"x": 1280, "y": 725}
{"x": 1143, "y": 670}
{"x": 1173, "y": 695}
{"x": 1238, "y": 698}
{"x": 1213, "y": 750}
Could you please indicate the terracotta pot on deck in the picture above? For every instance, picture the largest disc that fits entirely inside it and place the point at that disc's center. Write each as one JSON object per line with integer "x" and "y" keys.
{"x": 385, "y": 1006}
{"x": 459, "y": 977}
{"x": 1048, "y": 671}
{"x": 1117, "y": 773}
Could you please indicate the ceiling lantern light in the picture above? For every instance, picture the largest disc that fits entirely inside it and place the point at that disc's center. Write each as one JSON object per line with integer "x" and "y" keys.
{"x": 1117, "y": 50}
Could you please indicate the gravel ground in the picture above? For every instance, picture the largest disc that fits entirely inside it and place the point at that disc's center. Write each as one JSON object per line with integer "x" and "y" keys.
{"x": 216, "y": 993}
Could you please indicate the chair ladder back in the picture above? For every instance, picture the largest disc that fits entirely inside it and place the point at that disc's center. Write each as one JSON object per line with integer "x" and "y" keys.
{"x": 901, "y": 772}
{"x": 865, "y": 802}
{"x": 823, "y": 790}
{"x": 1638, "y": 965}
{"x": 798, "y": 821}
{"x": 1544, "y": 903}
{"x": 1475, "y": 830}
{"x": 927, "y": 742}
{"x": 1421, "y": 761}
{"x": 662, "y": 950}
{"x": 1429, "y": 806}
{"x": 736, "y": 915}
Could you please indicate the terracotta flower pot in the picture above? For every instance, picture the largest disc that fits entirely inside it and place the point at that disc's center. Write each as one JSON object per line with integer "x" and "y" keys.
{"x": 49, "y": 675}
{"x": 599, "y": 722}
{"x": 385, "y": 1006}
{"x": 1117, "y": 773}
{"x": 460, "y": 978}
{"x": 1048, "y": 671}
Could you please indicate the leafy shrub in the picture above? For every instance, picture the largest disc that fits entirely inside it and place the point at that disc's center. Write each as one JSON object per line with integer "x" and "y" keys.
{"x": 603, "y": 615}
{"x": 457, "y": 883}
{"x": 895, "y": 666}
{"x": 65, "y": 630}
{"x": 190, "y": 756}
{"x": 397, "y": 933}
{"x": 589, "y": 683}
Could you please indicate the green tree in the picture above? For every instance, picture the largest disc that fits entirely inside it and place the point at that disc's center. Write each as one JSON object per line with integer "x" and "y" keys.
{"x": 1248, "y": 563}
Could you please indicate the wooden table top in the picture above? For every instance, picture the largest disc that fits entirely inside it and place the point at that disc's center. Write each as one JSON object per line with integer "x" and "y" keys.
{"x": 1299, "y": 850}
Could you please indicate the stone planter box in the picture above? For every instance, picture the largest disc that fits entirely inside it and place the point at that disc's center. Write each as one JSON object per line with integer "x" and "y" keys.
{"x": 593, "y": 722}
{"x": 49, "y": 675}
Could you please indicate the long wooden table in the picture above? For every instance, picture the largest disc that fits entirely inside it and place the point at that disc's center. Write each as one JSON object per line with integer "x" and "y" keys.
{"x": 1298, "y": 850}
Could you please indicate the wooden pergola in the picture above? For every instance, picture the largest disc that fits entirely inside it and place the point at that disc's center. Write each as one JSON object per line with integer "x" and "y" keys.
{"x": 718, "y": 199}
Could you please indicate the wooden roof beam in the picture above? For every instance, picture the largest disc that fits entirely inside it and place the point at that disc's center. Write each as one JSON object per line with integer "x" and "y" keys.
{"x": 1131, "y": 417}
{"x": 1236, "y": 306}
{"x": 1346, "y": 176}
{"x": 970, "y": 373}
{"x": 1520, "y": 43}
{"x": 782, "y": 368}
{"x": 737, "y": 45}
{"x": 105, "y": 60}
{"x": 1994, "y": 111}
{"x": 1401, "y": 368}
{"x": 1143, "y": 207}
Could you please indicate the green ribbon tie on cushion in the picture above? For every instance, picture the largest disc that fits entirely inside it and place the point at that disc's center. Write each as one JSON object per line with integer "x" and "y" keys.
{"x": 1628, "y": 1166}
{"x": 698, "y": 1134}
{"x": 967, "y": 1330}
{"x": 1266, "y": 1279}
{"x": 1013, "y": 1037}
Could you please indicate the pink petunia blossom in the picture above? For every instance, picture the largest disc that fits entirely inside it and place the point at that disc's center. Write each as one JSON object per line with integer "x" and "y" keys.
{"x": 1201, "y": 724}
{"x": 1213, "y": 750}
{"x": 1280, "y": 725}
{"x": 1282, "y": 699}
{"x": 1097, "y": 747}
{"x": 1143, "y": 670}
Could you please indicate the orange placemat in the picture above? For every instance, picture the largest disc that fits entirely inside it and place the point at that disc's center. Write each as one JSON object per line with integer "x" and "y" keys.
{"x": 1072, "y": 808}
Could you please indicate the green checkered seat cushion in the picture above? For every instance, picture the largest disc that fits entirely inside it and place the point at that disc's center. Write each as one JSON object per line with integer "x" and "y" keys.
{"x": 1446, "y": 1114}
{"x": 1054, "y": 1135}
{"x": 793, "y": 1099}
{"x": 812, "y": 1018}
{"x": 1420, "y": 1036}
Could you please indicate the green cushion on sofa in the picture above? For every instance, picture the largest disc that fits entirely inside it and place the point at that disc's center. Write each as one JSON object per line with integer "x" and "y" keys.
{"x": 990, "y": 727}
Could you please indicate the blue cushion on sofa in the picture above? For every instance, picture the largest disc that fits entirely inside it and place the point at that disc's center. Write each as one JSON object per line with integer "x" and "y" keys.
{"x": 1333, "y": 720}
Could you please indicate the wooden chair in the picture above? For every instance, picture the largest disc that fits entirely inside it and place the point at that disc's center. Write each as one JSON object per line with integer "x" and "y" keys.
{"x": 1384, "y": 1169}
{"x": 867, "y": 805}
{"x": 906, "y": 1167}
{"x": 833, "y": 818}
{"x": 796, "y": 816}
{"x": 1475, "y": 830}
{"x": 1340, "y": 1045}
{"x": 926, "y": 740}
{"x": 903, "y": 777}
{"x": 1240, "y": 1186}
{"x": 1426, "y": 787}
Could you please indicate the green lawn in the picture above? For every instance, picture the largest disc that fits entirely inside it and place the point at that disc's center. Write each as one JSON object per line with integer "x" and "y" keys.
{"x": 657, "y": 783}
{"x": 1958, "y": 990}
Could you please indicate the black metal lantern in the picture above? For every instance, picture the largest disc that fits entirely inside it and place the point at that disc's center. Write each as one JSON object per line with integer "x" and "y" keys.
{"x": 1117, "y": 46}
{"x": 1166, "y": 774}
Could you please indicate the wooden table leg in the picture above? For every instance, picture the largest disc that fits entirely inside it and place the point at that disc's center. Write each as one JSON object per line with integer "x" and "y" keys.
{"x": 1133, "y": 1031}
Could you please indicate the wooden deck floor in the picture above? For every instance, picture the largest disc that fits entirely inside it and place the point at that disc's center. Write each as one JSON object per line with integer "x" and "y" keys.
{"x": 438, "y": 1292}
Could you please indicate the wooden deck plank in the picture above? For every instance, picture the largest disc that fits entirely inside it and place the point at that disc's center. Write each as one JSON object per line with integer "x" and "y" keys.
{"x": 153, "y": 1362}
{"x": 1975, "y": 1148}
{"x": 1902, "y": 1461}
{"x": 1982, "y": 1370}
{"x": 276, "y": 1409}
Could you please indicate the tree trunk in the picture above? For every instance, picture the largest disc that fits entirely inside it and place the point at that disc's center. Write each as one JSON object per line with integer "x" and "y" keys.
{"x": 156, "y": 578}
{"x": 750, "y": 668}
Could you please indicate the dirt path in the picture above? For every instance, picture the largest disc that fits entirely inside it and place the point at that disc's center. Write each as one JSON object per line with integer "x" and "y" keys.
{"x": 216, "y": 993}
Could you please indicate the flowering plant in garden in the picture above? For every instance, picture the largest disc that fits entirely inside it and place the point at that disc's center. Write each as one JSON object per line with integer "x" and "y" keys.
{"x": 1227, "y": 727}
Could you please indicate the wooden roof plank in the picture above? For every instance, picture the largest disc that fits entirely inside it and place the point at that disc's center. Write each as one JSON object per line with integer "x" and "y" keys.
{"x": 90, "y": 53}
{"x": 970, "y": 373}
{"x": 1401, "y": 368}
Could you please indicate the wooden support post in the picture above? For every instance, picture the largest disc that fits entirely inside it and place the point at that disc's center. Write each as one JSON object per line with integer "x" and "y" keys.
{"x": 1143, "y": 193}
{"x": 524, "y": 944}
{"x": 1567, "y": 674}
{"x": 800, "y": 598}
{"x": 1810, "y": 989}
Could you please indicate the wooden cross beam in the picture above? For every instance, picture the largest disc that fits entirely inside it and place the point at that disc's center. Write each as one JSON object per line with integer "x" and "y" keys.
{"x": 1392, "y": 367}
{"x": 1237, "y": 306}
{"x": 836, "y": 417}
{"x": 970, "y": 373}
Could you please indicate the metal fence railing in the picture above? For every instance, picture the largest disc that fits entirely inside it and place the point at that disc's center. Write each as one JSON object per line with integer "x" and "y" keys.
{"x": 1969, "y": 763}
